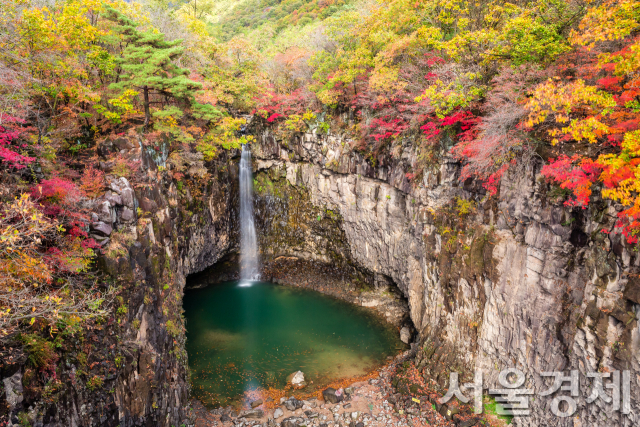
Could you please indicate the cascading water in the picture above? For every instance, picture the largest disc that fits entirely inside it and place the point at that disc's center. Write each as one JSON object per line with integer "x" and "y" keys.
{"x": 249, "y": 265}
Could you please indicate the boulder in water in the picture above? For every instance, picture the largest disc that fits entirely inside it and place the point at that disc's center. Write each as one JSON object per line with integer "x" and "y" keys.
{"x": 297, "y": 379}
{"x": 405, "y": 335}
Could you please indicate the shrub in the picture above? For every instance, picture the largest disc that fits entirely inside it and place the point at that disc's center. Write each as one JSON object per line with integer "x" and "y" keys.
{"x": 57, "y": 191}
{"x": 38, "y": 281}
{"x": 95, "y": 382}
{"x": 92, "y": 182}
{"x": 40, "y": 352}
{"x": 124, "y": 167}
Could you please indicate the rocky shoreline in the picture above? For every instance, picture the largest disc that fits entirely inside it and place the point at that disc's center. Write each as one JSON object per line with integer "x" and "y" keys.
{"x": 382, "y": 401}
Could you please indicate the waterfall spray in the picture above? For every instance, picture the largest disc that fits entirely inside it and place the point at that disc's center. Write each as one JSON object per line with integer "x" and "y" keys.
{"x": 249, "y": 265}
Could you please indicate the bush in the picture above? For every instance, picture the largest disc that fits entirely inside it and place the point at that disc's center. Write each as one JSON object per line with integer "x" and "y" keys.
{"x": 95, "y": 382}
{"x": 40, "y": 352}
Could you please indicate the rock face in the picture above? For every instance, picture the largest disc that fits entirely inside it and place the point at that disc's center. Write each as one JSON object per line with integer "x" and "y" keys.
{"x": 514, "y": 281}
{"x": 153, "y": 233}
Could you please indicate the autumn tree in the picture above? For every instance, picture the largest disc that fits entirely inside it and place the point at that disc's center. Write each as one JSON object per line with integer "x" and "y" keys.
{"x": 147, "y": 64}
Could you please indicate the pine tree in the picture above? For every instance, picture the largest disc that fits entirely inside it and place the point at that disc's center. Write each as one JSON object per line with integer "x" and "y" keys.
{"x": 147, "y": 64}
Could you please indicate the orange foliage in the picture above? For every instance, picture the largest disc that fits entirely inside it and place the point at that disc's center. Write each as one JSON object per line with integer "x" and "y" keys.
{"x": 92, "y": 181}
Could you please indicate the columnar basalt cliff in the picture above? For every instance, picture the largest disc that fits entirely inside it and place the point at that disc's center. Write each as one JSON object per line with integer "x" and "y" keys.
{"x": 514, "y": 281}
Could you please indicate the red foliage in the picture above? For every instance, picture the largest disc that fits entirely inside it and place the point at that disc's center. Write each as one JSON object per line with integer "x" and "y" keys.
{"x": 56, "y": 191}
{"x": 273, "y": 106}
{"x": 576, "y": 174}
{"x": 490, "y": 145}
{"x": 10, "y": 132}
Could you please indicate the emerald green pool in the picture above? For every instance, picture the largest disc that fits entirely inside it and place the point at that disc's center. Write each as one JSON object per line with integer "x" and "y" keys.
{"x": 244, "y": 336}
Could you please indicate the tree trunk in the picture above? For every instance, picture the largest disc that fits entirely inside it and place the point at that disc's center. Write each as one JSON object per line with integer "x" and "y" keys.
{"x": 147, "y": 113}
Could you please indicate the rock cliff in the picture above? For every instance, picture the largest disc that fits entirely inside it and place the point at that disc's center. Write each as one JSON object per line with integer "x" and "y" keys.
{"x": 514, "y": 281}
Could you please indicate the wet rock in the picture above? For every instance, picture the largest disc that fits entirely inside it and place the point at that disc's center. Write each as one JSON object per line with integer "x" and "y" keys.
{"x": 311, "y": 414}
{"x": 297, "y": 379}
{"x": 225, "y": 417}
{"x": 256, "y": 403}
{"x": 332, "y": 395}
{"x": 405, "y": 335}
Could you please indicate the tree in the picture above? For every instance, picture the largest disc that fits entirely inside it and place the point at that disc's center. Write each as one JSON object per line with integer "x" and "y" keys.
{"x": 147, "y": 64}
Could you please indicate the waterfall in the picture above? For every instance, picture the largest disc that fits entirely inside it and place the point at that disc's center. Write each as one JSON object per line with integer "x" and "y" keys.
{"x": 249, "y": 265}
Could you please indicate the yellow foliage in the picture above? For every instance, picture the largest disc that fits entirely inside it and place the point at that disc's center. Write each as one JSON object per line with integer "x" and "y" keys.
{"x": 559, "y": 100}
{"x": 224, "y": 135}
{"x": 609, "y": 20}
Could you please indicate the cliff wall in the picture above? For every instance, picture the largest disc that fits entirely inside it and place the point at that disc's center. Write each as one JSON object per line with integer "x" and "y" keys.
{"x": 513, "y": 281}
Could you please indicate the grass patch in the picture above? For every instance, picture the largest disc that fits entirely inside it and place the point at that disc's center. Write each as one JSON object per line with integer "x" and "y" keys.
{"x": 492, "y": 407}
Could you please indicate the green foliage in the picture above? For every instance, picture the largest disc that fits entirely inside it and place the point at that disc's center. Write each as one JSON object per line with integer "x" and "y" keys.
{"x": 240, "y": 17}
{"x": 173, "y": 329}
{"x": 95, "y": 382}
{"x": 223, "y": 135}
{"x": 147, "y": 64}
{"x": 119, "y": 107}
{"x": 40, "y": 352}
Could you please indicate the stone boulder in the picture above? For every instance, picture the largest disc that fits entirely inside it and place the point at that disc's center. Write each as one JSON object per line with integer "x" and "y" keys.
{"x": 405, "y": 335}
{"x": 101, "y": 228}
{"x": 292, "y": 404}
{"x": 104, "y": 212}
{"x": 331, "y": 395}
{"x": 252, "y": 413}
{"x": 292, "y": 422}
{"x": 297, "y": 379}
{"x": 122, "y": 187}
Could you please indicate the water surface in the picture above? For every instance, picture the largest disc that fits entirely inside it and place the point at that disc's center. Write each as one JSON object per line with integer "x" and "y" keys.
{"x": 242, "y": 337}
